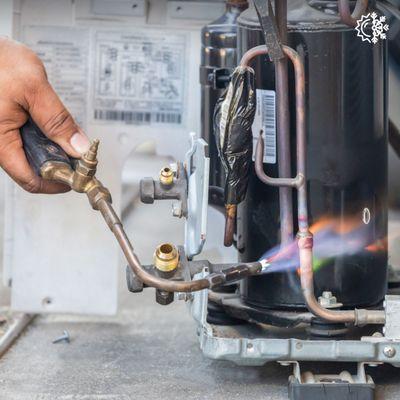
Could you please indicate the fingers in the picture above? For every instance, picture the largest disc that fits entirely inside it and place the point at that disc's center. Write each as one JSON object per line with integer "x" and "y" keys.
{"x": 14, "y": 162}
{"x": 55, "y": 121}
{"x": 26, "y": 90}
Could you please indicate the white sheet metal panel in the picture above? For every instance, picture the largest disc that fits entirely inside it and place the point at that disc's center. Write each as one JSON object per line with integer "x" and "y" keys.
{"x": 6, "y": 17}
{"x": 6, "y": 29}
{"x": 61, "y": 256}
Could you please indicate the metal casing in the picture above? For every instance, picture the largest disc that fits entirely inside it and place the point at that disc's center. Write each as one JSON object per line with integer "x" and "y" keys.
{"x": 218, "y": 59}
{"x": 346, "y": 111}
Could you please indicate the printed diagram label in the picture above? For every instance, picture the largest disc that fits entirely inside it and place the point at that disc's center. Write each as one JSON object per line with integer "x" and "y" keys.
{"x": 140, "y": 77}
{"x": 265, "y": 120}
{"x": 64, "y": 52}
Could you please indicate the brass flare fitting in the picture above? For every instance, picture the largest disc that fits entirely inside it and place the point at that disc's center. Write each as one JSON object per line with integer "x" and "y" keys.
{"x": 166, "y": 176}
{"x": 166, "y": 257}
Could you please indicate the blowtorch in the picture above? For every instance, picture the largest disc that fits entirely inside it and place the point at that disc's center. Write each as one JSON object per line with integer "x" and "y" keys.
{"x": 50, "y": 162}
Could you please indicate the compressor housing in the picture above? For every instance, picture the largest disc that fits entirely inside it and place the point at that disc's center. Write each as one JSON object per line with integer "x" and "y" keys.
{"x": 346, "y": 114}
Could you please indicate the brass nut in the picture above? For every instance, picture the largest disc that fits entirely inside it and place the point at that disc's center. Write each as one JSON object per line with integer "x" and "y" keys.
{"x": 166, "y": 176}
{"x": 85, "y": 170}
{"x": 164, "y": 298}
{"x": 98, "y": 193}
{"x": 166, "y": 257}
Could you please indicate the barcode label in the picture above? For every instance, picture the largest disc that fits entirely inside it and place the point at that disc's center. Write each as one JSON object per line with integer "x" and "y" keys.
{"x": 265, "y": 120}
{"x": 134, "y": 117}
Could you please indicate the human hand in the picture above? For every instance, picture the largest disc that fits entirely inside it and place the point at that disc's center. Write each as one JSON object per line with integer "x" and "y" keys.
{"x": 24, "y": 91}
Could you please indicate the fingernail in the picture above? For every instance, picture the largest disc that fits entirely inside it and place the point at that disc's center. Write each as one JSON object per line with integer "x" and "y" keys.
{"x": 80, "y": 143}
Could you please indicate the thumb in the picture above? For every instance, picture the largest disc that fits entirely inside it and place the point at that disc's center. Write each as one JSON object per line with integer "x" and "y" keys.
{"x": 51, "y": 116}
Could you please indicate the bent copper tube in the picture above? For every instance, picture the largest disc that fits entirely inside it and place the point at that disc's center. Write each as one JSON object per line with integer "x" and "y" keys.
{"x": 305, "y": 237}
{"x": 115, "y": 224}
{"x": 283, "y": 127}
{"x": 234, "y": 273}
{"x": 349, "y": 18}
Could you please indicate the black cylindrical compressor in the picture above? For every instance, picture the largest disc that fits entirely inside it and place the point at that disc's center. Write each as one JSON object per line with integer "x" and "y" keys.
{"x": 346, "y": 112}
{"x": 218, "y": 59}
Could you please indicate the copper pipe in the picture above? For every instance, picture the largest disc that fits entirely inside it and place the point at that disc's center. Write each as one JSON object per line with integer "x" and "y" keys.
{"x": 230, "y": 224}
{"x": 305, "y": 238}
{"x": 283, "y": 128}
{"x": 259, "y": 167}
{"x": 349, "y": 18}
{"x": 117, "y": 229}
{"x": 234, "y": 273}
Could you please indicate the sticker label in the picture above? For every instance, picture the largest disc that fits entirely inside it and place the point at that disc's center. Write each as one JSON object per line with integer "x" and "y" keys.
{"x": 64, "y": 52}
{"x": 139, "y": 77}
{"x": 265, "y": 120}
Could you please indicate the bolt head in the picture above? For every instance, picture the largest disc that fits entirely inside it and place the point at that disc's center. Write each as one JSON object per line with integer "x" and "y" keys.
{"x": 177, "y": 209}
{"x": 174, "y": 168}
{"x": 328, "y": 300}
{"x": 185, "y": 296}
{"x": 164, "y": 298}
{"x": 389, "y": 351}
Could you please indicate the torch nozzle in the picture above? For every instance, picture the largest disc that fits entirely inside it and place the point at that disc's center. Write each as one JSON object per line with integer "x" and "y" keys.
{"x": 91, "y": 155}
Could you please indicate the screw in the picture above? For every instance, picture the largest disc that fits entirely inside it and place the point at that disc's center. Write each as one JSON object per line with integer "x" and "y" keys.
{"x": 174, "y": 168}
{"x": 177, "y": 209}
{"x": 185, "y": 296}
{"x": 64, "y": 338}
{"x": 389, "y": 351}
{"x": 284, "y": 363}
{"x": 328, "y": 300}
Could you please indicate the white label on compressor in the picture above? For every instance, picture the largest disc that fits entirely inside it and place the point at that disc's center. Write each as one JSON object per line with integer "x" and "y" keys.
{"x": 265, "y": 120}
{"x": 140, "y": 77}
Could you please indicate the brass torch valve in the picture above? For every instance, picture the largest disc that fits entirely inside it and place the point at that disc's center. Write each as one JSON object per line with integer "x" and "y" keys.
{"x": 82, "y": 178}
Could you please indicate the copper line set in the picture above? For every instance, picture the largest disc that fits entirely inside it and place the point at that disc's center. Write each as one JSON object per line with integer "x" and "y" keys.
{"x": 304, "y": 236}
{"x": 83, "y": 180}
{"x": 283, "y": 126}
{"x": 214, "y": 279}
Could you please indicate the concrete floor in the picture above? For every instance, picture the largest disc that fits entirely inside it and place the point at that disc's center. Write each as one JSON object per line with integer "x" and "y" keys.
{"x": 145, "y": 352}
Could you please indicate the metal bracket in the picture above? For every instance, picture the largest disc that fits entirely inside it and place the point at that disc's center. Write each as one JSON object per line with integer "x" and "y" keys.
{"x": 190, "y": 188}
{"x": 255, "y": 345}
{"x": 217, "y": 78}
{"x": 197, "y": 169}
{"x": 309, "y": 386}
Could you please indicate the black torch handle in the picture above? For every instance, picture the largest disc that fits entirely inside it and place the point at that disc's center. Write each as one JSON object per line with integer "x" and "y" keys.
{"x": 39, "y": 149}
